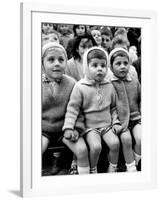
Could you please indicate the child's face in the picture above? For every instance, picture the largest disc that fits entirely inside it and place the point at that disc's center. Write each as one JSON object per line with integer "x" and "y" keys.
{"x": 54, "y": 63}
{"x": 96, "y": 34}
{"x": 97, "y": 69}
{"x": 84, "y": 45}
{"x": 64, "y": 28}
{"x": 50, "y": 38}
{"x": 106, "y": 42}
{"x": 80, "y": 30}
{"x": 47, "y": 27}
{"x": 120, "y": 66}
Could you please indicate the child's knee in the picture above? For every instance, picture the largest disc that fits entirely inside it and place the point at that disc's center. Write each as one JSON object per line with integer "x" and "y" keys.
{"x": 126, "y": 140}
{"x": 115, "y": 145}
{"x": 95, "y": 148}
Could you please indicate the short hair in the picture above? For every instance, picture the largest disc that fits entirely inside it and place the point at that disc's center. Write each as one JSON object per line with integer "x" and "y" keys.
{"x": 120, "y": 31}
{"x": 96, "y": 53}
{"x": 106, "y": 31}
{"x": 120, "y": 40}
{"x": 77, "y": 41}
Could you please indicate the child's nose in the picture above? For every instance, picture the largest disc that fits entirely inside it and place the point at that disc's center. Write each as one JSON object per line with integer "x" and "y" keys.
{"x": 56, "y": 62}
{"x": 122, "y": 66}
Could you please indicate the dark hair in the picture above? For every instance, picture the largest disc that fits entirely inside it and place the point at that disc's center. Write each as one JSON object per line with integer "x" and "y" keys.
{"x": 120, "y": 40}
{"x": 96, "y": 53}
{"x": 77, "y": 41}
{"x": 106, "y": 31}
{"x": 77, "y": 26}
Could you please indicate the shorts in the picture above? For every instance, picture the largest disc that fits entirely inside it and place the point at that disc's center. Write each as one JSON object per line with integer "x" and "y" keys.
{"x": 133, "y": 123}
{"x": 100, "y": 131}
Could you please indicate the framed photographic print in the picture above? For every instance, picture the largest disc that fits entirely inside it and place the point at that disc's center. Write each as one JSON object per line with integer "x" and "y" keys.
{"x": 52, "y": 165}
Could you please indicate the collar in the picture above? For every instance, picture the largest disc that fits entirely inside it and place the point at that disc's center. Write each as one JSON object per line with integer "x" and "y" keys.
{"x": 127, "y": 78}
{"x": 87, "y": 81}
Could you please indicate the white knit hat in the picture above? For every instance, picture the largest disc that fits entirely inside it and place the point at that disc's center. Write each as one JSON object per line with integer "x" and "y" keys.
{"x": 115, "y": 50}
{"x": 53, "y": 45}
{"x": 85, "y": 60}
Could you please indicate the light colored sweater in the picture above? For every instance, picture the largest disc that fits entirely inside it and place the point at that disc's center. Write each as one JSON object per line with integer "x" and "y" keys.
{"x": 96, "y": 101}
{"x": 55, "y": 97}
{"x": 129, "y": 99}
{"x": 74, "y": 69}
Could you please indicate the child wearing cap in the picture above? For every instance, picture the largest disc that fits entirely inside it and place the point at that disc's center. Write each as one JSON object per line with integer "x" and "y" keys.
{"x": 96, "y": 98}
{"x": 56, "y": 90}
{"x": 128, "y": 106}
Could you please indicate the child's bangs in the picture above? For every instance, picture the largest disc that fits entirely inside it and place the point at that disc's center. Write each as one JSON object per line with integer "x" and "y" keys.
{"x": 119, "y": 53}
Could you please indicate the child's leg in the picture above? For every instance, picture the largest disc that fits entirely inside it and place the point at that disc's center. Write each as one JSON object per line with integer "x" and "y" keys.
{"x": 95, "y": 147}
{"x": 136, "y": 131}
{"x": 80, "y": 150}
{"x": 73, "y": 168}
{"x": 113, "y": 143}
{"x": 45, "y": 143}
{"x": 126, "y": 141}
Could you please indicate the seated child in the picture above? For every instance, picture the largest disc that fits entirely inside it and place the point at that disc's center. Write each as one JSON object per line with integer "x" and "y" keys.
{"x": 56, "y": 90}
{"x": 128, "y": 105}
{"x": 95, "y": 97}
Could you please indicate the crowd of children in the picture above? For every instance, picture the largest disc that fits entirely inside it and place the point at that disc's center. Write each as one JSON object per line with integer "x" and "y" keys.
{"x": 91, "y": 78}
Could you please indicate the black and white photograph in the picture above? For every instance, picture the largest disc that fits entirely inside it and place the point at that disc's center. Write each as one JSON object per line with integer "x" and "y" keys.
{"x": 91, "y": 99}
{"x": 87, "y": 100}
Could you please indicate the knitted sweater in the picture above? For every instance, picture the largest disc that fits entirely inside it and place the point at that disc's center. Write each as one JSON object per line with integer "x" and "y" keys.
{"x": 55, "y": 98}
{"x": 129, "y": 99}
{"x": 96, "y": 101}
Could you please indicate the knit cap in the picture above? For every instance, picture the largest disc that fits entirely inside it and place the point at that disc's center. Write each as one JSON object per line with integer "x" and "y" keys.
{"x": 85, "y": 59}
{"x": 53, "y": 45}
{"x": 117, "y": 51}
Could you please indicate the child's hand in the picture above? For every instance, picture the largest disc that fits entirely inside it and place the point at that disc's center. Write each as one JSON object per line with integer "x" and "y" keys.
{"x": 68, "y": 134}
{"x": 71, "y": 135}
{"x": 75, "y": 136}
{"x": 116, "y": 128}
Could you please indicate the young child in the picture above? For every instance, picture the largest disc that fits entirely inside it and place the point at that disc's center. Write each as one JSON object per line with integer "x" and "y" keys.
{"x": 75, "y": 64}
{"x": 56, "y": 90}
{"x": 50, "y": 37}
{"x": 96, "y": 98}
{"x": 47, "y": 28}
{"x": 96, "y": 34}
{"x": 65, "y": 34}
{"x": 78, "y": 30}
{"x": 106, "y": 38}
{"x": 122, "y": 41}
{"x": 128, "y": 106}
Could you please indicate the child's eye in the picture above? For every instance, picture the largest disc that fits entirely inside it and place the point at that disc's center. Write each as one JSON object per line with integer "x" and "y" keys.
{"x": 61, "y": 59}
{"x": 125, "y": 63}
{"x": 94, "y": 65}
{"x": 51, "y": 59}
{"x": 103, "y": 65}
{"x": 118, "y": 63}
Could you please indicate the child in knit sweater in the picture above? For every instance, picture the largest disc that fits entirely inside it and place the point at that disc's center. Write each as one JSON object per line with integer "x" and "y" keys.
{"x": 56, "y": 90}
{"x": 96, "y": 98}
{"x": 128, "y": 105}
